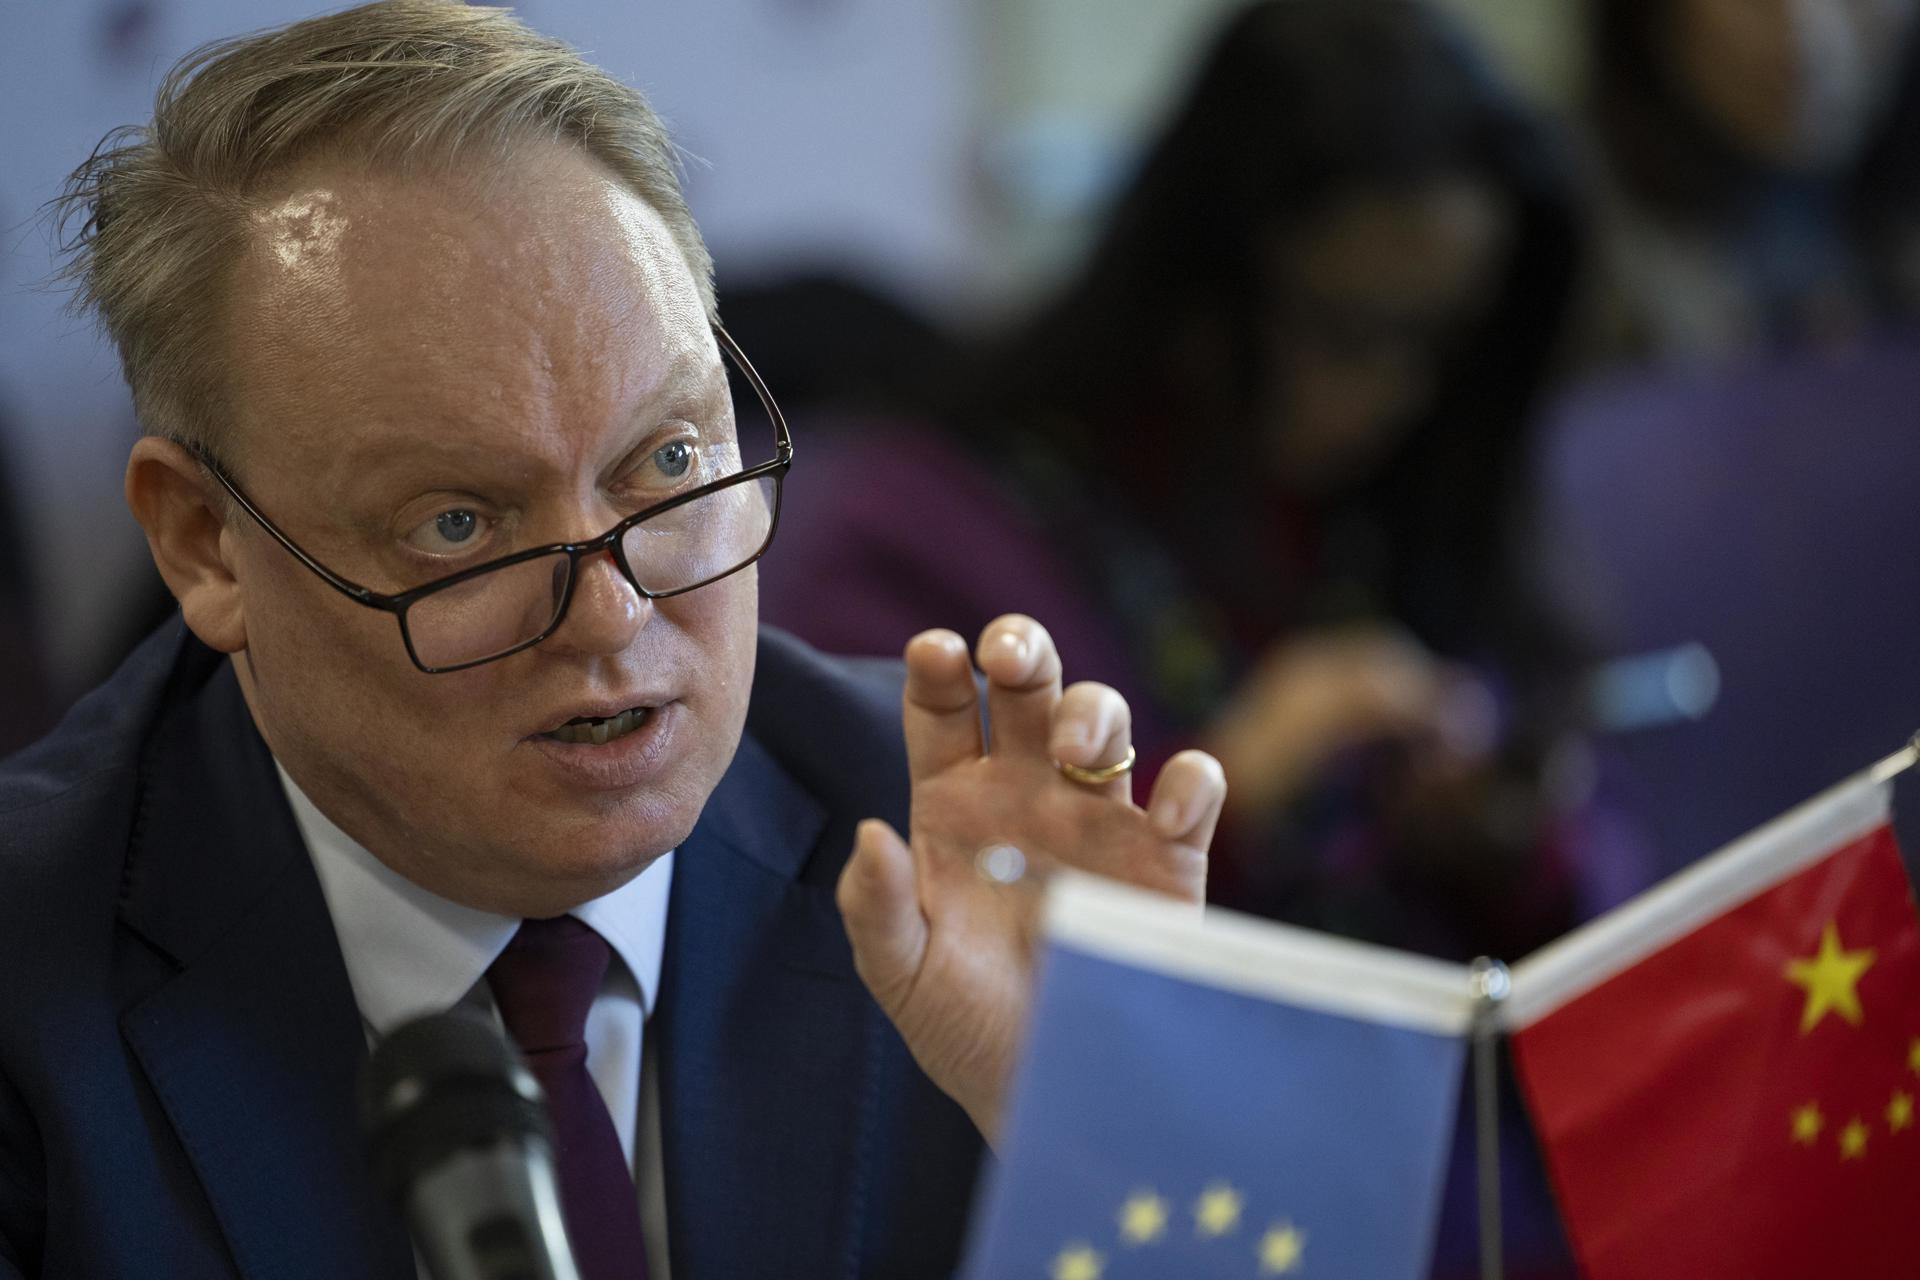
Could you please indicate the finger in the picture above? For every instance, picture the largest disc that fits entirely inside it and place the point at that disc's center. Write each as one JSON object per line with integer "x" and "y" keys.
{"x": 1467, "y": 717}
{"x": 941, "y": 713}
{"x": 1187, "y": 798}
{"x": 1397, "y": 688}
{"x": 1023, "y": 684}
{"x": 1093, "y": 728}
{"x": 881, "y": 910}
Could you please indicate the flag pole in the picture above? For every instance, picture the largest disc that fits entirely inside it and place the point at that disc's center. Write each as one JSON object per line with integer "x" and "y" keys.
{"x": 1491, "y": 985}
{"x": 1899, "y": 762}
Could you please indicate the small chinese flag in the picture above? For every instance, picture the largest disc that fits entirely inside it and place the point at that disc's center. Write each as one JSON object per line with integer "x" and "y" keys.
{"x": 1724, "y": 1073}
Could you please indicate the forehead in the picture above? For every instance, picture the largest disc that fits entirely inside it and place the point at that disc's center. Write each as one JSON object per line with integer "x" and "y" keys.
{"x": 531, "y": 289}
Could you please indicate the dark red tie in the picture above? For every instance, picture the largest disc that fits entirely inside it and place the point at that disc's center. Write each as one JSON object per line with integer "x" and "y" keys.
{"x": 544, "y": 983}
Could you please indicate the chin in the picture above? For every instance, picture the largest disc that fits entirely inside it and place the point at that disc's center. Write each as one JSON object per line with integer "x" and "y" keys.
{"x": 580, "y": 875}
{"x": 606, "y": 833}
{"x": 553, "y": 875}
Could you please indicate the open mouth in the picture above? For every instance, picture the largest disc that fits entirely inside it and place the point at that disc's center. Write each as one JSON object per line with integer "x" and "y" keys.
{"x": 597, "y": 732}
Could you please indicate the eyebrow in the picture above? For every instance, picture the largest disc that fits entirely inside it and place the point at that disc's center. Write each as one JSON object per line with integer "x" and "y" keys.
{"x": 689, "y": 379}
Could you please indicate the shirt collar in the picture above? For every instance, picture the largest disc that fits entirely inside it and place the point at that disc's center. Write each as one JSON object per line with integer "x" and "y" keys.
{"x": 410, "y": 952}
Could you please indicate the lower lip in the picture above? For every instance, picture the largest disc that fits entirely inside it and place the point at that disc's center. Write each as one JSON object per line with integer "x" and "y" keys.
{"x": 637, "y": 758}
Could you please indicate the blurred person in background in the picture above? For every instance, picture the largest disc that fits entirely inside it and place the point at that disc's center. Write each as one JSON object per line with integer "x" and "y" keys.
{"x": 1757, "y": 173}
{"x": 1739, "y": 479}
{"x": 1314, "y": 334}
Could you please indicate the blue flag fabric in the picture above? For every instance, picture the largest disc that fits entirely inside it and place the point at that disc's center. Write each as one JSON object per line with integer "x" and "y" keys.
{"x": 1198, "y": 1124}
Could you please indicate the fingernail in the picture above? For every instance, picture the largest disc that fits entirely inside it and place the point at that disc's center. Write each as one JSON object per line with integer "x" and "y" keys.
{"x": 1013, "y": 644}
{"x": 1470, "y": 720}
{"x": 1066, "y": 737}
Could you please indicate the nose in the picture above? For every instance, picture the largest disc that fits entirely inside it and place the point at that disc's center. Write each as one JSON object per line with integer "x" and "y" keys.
{"x": 607, "y": 612}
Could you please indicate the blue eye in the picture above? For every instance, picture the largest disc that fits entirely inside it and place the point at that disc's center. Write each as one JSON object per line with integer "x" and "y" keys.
{"x": 673, "y": 459}
{"x": 456, "y": 532}
{"x": 456, "y": 526}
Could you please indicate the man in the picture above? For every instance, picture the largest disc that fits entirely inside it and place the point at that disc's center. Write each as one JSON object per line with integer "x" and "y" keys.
{"x": 443, "y": 472}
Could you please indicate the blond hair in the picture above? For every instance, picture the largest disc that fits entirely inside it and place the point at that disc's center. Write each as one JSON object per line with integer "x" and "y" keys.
{"x": 156, "y": 217}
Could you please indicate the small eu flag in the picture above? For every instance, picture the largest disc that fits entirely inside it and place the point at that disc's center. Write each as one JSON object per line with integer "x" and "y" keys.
{"x": 1211, "y": 1095}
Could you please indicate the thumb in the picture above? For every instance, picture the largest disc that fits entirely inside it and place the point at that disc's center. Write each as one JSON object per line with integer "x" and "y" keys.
{"x": 881, "y": 909}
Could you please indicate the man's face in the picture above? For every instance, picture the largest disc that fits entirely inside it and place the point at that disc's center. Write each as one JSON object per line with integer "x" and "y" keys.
{"x": 429, "y": 374}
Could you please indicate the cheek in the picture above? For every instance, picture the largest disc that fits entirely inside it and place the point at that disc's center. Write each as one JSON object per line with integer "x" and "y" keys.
{"x": 337, "y": 690}
{"x": 1335, "y": 400}
{"x": 1336, "y": 422}
{"x": 721, "y": 622}
{"x": 301, "y": 635}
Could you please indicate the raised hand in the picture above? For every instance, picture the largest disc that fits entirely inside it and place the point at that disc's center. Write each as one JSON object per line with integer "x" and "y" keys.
{"x": 1317, "y": 695}
{"x": 948, "y": 949}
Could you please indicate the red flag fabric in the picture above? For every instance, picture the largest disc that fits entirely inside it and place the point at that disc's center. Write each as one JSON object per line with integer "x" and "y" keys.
{"x": 1724, "y": 1080}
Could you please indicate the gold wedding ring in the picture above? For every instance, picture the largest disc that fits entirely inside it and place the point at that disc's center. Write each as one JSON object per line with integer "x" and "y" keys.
{"x": 1097, "y": 777}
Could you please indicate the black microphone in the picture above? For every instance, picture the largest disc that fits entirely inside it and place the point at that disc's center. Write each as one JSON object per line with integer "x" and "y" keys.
{"x": 458, "y": 1133}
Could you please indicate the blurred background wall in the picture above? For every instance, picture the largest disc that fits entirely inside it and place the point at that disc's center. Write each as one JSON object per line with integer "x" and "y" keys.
{"x": 1070, "y": 87}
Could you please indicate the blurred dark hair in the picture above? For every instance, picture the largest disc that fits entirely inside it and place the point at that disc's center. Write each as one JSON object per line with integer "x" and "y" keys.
{"x": 824, "y": 339}
{"x": 1298, "y": 104}
{"x": 1673, "y": 160}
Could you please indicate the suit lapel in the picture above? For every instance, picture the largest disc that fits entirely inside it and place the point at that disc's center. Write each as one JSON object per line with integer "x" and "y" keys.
{"x": 254, "y": 1046}
{"x": 769, "y": 1044}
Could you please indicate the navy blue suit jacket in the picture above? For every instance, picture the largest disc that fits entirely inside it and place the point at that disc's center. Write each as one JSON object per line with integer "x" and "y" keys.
{"x": 179, "y": 1045}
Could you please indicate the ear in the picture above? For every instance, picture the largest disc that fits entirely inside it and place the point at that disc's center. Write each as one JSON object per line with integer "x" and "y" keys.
{"x": 185, "y": 517}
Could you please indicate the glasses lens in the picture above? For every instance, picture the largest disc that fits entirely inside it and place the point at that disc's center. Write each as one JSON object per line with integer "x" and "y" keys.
{"x": 713, "y": 535}
{"x": 704, "y": 539}
{"x": 485, "y": 616}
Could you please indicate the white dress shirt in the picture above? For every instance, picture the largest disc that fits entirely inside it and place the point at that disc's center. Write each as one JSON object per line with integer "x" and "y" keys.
{"x": 410, "y": 953}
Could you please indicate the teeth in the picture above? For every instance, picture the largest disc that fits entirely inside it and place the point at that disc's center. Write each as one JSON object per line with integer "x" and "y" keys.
{"x": 600, "y": 732}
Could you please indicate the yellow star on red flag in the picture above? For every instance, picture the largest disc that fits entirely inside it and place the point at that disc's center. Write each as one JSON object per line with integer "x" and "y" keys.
{"x": 1830, "y": 978}
{"x": 1807, "y": 1123}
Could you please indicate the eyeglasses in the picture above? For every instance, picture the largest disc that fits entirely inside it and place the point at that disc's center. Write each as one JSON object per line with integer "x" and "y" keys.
{"x": 492, "y": 610}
